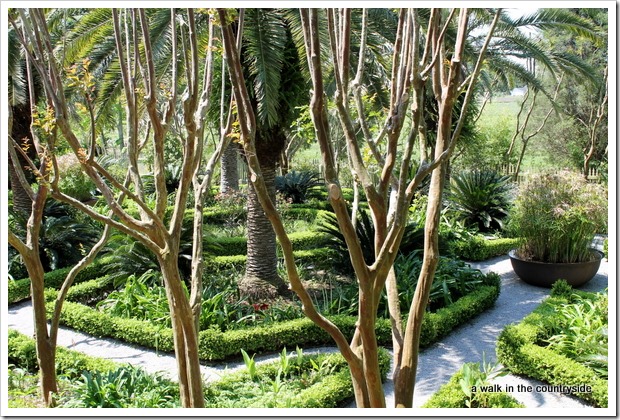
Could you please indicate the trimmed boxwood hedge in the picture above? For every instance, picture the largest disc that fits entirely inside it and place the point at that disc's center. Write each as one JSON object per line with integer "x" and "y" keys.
{"x": 238, "y": 245}
{"x": 450, "y": 395}
{"x": 321, "y": 258}
{"x": 217, "y": 345}
{"x": 518, "y": 350}
{"x": 478, "y": 248}
{"x": 22, "y": 353}
{"x": 20, "y": 289}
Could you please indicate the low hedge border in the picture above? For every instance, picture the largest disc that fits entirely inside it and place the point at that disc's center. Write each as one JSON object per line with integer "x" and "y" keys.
{"x": 518, "y": 350}
{"x": 333, "y": 390}
{"x": 20, "y": 289}
{"x": 22, "y": 353}
{"x": 217, "y": 345}
{"x": 238, "y": 245}
{"x": 450, "y": 395}
{"x": 478, "y": 248}
{"x": 218, "y": 215}
{"x": 86, "y": 292}
{"x": 321, "y": 258}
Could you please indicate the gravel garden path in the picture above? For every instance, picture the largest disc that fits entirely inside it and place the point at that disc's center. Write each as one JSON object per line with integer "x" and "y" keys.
{"x": 437, "y": 362}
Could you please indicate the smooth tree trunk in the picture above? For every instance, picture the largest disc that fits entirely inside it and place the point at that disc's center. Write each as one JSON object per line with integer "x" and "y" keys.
{"x": 46, "y": 349}
{"x": 184, "y": 333}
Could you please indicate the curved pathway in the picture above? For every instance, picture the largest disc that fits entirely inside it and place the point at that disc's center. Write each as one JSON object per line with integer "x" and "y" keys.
{"x": 437, "y": 362}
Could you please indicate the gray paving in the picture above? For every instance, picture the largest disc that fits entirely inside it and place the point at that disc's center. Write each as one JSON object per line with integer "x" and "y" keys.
{"x": 437, "y": 363}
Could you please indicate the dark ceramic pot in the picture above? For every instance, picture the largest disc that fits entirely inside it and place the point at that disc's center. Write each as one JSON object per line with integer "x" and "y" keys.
{"x": 545, "y": 274}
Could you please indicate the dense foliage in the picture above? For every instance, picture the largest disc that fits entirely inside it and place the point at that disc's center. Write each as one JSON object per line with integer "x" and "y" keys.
{"x": 557, "y": 216}
{"x": 481, "y": 198}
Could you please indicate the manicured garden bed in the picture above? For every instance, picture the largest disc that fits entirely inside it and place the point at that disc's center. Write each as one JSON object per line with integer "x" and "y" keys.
{"x": 452, "y": 395}
{"x": 298, "y": 380}
{"x": 528, "y": 348}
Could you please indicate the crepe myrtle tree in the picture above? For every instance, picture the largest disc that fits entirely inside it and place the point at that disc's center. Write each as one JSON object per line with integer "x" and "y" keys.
{"x": 421, "y": 54}
{"x": 185, "y": 92}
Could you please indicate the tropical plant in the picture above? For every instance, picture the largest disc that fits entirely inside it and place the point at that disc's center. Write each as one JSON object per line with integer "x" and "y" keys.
{"x": 582, "y": 333}
{"x": 453, "y": 279}
{"x": 64, "y": 236}
{"x": 557, "y": 216}
{"x": 294, "y": 186}
{"x": 481, "y": 198}
{"x": 128, "y": 386}
{"x": 139, "y": 299}
{"x": 73, "y": 181}
{"x": 476, "y": 378}
{"x": 413, "y": 238}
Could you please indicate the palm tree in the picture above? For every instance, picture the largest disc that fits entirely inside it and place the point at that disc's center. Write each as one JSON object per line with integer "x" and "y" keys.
{"x": 277, "y": 87}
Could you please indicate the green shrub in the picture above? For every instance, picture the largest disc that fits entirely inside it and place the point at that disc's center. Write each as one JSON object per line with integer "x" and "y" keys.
{"x": 452, "y": 279}
{"x": 561, "y": 289}
{"x": 321, "y": 258}
{"x": 294, "y": 186}
{"x": 22, "y": 352}
{"x": 481, "y": 198}
{"x": 451, "y": 395}
{"x": 478, "y": 248}
{"x": 522, "y": 349}
{"x": 238, "y": 245}
{"x": 73, "y": 181}
{"x": 20, "y": 289}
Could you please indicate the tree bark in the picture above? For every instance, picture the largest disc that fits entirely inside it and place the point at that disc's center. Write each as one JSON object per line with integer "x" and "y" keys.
{"x": 229, "y": 173}
{"x": 261, "y": 280}
{"x": 46, "y": 349}
{"x": 184, "y": 333}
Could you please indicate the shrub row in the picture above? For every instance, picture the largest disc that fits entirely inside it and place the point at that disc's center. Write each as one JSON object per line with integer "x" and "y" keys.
{"x": 217, "y": 345}
{"x": 86, "y": 292}
{"x": 450, "y": 395}
{"x": 20, "y": 289}
{"x": 239, "y": 245}
{"x": 22, "y": 353}
{"x": 478, "y": 248}
{"x": 518, "y": 350}
{"x": 333, "y": 389}
{"x": 320, "y": 258}
{"x": 219, "y": 215}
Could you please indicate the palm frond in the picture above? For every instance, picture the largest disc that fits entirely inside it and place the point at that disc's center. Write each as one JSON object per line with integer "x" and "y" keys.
{"x": 265, "y": 36}
{"x": 560, "y": 18}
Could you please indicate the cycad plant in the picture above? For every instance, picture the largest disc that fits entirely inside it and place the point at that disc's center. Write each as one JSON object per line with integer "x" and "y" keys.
{"x": 294, "y": 186}
{"x": 482, "y": 198}
{"x": 64, "y": 236}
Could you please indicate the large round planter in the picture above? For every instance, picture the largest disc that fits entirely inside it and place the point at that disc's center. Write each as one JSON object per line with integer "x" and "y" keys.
{"x": 545, "y": 274}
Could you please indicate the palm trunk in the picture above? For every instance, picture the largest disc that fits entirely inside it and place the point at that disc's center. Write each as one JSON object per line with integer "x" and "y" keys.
{"x": 261, "y": 278}
{"x": 229, "y": 175}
